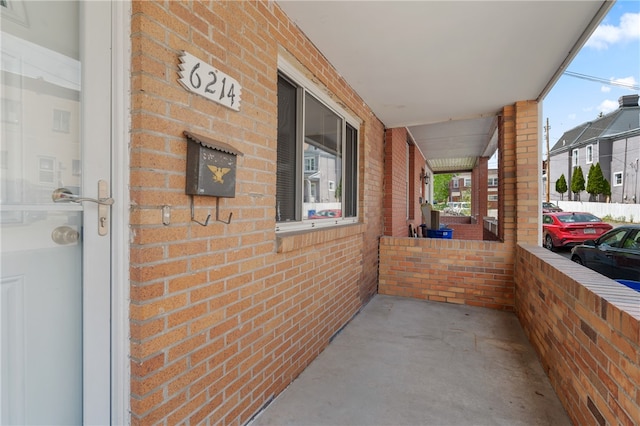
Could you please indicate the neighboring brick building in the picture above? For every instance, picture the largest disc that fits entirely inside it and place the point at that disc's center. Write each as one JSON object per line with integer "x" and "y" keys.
{"x": 462, "y": 184}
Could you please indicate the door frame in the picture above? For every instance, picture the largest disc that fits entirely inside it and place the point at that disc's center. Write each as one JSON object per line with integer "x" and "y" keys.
{"x": 120, "y": 284}
{"x": 106, "y": 396}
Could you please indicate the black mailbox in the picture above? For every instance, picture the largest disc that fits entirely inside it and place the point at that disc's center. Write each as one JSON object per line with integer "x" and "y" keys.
{"x": 211, "y": 167}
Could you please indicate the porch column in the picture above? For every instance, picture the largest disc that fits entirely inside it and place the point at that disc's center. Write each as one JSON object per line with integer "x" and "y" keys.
{"x": 520, "y": 172}
{"x": 480, "y": 182}
{"x": 396, "y": 169}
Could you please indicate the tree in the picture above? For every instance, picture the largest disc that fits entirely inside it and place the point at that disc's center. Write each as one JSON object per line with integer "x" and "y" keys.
{"x": 441, "y": 187}
{"x": 595, "y": 182}
{"x": 561, "y": 185}
{"x": 577, "y": 181}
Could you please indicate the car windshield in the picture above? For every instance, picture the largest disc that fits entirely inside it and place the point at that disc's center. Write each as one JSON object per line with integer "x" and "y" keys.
{"x": 577, "y": 217}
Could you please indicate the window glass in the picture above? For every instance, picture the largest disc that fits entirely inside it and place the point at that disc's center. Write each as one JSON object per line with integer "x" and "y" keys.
{"x": 286, "y": 183}
{"x": 617, "y": 179}
{"x": 577, "y": 218}
{"x": 351, "y": 174}
{"x": 633, "y": 240}
{"x": 613, "y": 239}
{"x": 317, "y": 160}
{"x": 61, "y": 120}
{"x": 322, "y": 145}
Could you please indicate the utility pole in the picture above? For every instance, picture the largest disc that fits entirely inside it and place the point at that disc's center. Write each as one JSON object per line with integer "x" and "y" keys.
{"x": 548, "y": 162}
{"x": 634, "y": 166}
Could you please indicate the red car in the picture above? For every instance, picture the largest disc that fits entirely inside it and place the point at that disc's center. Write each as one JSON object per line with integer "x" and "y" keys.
{"x": 567, "y": 229}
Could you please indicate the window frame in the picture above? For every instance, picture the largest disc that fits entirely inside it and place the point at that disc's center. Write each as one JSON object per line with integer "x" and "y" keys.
{"x": 46, "y": 169}
{"x": 306, "y": 86}
{"x": 615, "y": 175}
{"x": 589, "y": 154}
{"x": 575, "y": 155}
{"x": 61, "y": 122}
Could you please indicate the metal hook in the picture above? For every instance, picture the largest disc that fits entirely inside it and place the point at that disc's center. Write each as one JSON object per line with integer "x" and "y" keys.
{"x": 193, "y": 218}
{"x": 228, "y": 221}
{"x": 206, "y": 222}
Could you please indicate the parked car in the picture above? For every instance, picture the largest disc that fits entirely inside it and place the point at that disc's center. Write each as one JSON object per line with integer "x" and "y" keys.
{"x": 567, "y": 229}
{"x": 458, "y": 208}
{"x": 550, "y": 207}
{"x": 326, "y": 214}
{"x": 615, "y": 254}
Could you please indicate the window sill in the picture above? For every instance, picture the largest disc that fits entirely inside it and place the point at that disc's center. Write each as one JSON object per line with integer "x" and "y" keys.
{"x": 294, "y": 240}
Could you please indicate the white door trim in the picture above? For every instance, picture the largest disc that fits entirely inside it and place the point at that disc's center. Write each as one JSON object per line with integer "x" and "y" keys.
{"x": 97, "y": 141}
{"x": 121, "y": 123}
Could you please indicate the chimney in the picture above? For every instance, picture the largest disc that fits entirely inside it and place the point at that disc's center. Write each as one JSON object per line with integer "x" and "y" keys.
{"x": 628, "y": 101}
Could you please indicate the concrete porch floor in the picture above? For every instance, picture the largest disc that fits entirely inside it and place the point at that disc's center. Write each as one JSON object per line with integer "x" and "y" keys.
{"x": 410, "y": 362}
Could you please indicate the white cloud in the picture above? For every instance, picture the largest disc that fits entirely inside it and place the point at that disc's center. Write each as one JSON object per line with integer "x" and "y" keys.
{"x": 607, "y": 106}
{"x": 627, "y": 82}
{"x": 605, "y": 89}
{"x": 606, "y": 34}
{"x": 573, "y": 116}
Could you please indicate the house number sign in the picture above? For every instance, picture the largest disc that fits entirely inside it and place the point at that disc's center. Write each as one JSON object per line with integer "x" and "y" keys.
{"x": 201, "y": 78}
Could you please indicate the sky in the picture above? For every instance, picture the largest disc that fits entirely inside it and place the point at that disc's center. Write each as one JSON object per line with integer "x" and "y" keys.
{"x": 612, "y": 54}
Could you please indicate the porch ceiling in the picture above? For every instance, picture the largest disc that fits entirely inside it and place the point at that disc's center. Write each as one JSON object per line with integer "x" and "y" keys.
{"x": 444, "y": 69}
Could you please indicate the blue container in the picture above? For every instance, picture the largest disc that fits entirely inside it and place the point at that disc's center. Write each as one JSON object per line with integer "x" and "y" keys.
{"x": 635, "y": 285}
{"x": 444, "y": 233}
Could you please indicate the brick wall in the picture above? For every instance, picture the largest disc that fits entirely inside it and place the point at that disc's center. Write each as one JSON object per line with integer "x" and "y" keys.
{"x": 416, "y": 185}
{"x": 475, "y": 272}
{"x": 464, "y": 227}
{"x": 478, "y": 273}
{"x": 527, "y": 190}
{"x": 586, "y": 330}
{"x": 468, "y": 231}
{"x": 402, "y": 183}
{"x": 480, "y": 179}
{"x": 395, "y": 182}
{"x": 223, "y": 317}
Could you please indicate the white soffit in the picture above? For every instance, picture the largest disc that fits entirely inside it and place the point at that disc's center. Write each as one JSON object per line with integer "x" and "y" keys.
{"x": 419, "y": 63}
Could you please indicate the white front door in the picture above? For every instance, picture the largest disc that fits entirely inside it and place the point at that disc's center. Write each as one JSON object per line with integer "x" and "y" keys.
{"x": 55, "y": 265}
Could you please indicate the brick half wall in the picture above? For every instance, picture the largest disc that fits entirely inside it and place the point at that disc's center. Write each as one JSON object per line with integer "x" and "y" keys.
{"x": 585, "y": 328}
{"x": 478, "y": 273}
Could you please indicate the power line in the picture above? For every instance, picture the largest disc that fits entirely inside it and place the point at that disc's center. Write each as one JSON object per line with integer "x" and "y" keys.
{"x": 603, "y": 80}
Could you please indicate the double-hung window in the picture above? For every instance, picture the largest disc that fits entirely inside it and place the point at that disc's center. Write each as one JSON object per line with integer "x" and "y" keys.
{"x": 589, "y": 154}
{"x": 317, "y": 160}
{"x": 617, "y": 179}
